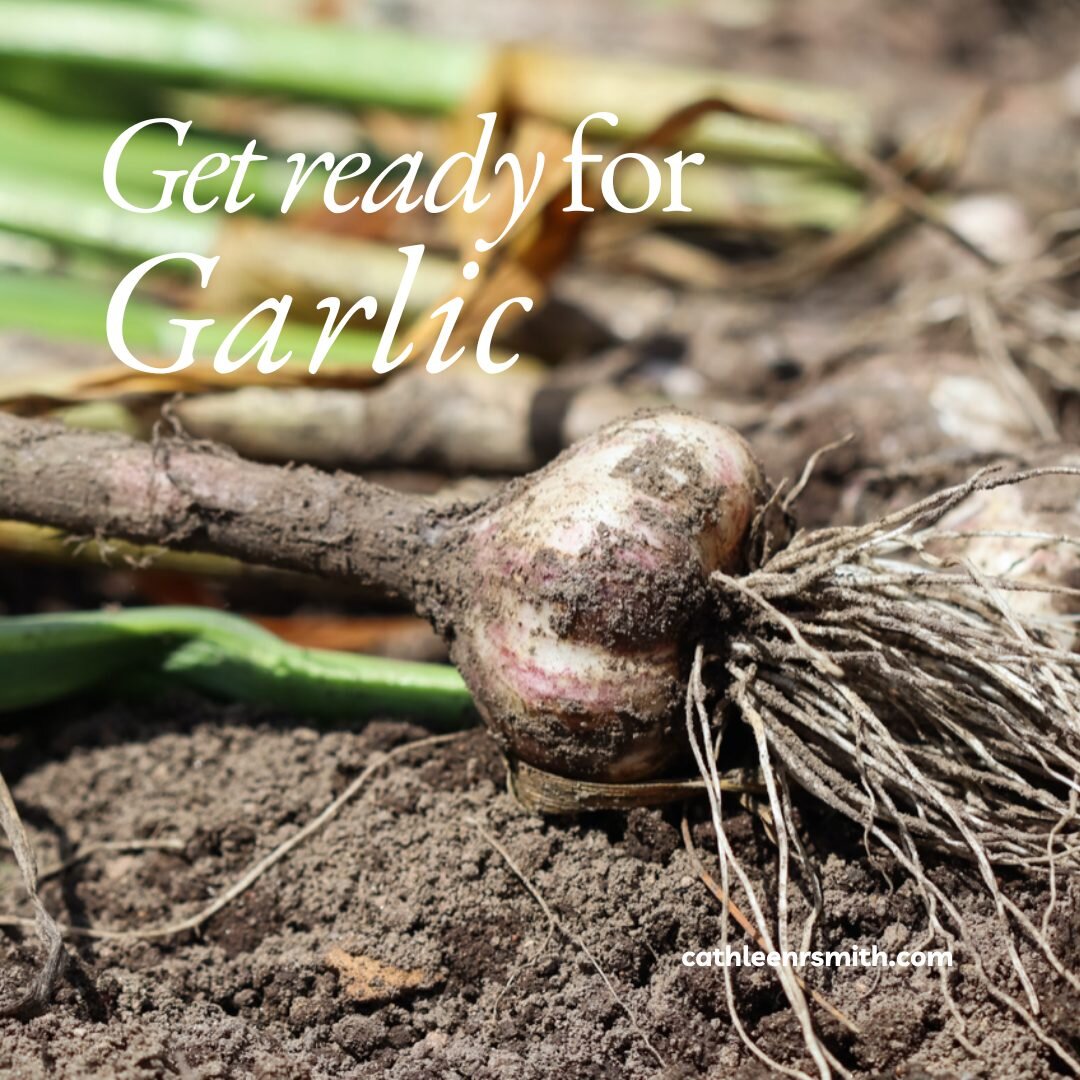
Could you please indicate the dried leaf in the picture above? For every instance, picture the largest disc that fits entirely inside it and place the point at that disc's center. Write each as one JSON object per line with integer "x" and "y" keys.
{"x": 366, "y": 979}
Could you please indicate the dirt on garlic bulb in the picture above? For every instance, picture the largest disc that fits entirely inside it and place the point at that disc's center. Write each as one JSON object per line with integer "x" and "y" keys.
{"x": 591, "y": 577}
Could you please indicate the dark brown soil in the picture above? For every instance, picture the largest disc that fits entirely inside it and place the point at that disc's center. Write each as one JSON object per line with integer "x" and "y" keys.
{"x": 403, "y": 885}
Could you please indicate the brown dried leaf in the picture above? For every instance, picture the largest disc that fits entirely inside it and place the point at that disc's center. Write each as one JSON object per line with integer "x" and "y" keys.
{"x": 365, "y": 979}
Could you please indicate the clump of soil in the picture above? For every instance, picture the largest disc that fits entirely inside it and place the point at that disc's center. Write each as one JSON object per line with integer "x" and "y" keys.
{"x": 398, "y": 943}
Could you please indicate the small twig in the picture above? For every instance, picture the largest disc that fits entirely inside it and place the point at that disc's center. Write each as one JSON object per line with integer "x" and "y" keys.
{"x": 737, "y": 914}
{"x": 49, "y": 933}
{"x": 990, "y": 341}
{"x": 894, "y": 184}
{"x": 556, "y": 923}
{"x": 519, "y": 967}
{"x": 83, "y": 853}
{"x": 808, "y": 470}
{"x": 193, "y": 922}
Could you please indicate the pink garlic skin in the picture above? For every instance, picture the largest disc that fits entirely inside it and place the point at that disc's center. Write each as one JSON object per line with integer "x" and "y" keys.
{"x": 589, "y": 578}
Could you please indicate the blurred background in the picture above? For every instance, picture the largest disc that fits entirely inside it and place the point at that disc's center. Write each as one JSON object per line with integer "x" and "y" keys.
{"x": 883, "y": 245}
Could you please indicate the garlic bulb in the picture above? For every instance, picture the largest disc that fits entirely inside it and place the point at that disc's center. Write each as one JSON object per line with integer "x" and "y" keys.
{"x": 589, "y": 577}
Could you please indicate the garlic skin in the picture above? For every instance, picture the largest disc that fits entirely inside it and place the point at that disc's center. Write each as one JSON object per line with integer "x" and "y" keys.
{"x": 589, "y": 577}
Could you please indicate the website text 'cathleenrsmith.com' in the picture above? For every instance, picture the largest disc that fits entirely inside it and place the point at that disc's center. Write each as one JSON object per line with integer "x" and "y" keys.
{"x": 872, "y": 957}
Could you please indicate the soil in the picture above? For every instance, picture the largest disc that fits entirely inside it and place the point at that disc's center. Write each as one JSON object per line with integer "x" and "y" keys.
{"x": 399, "y": 943}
